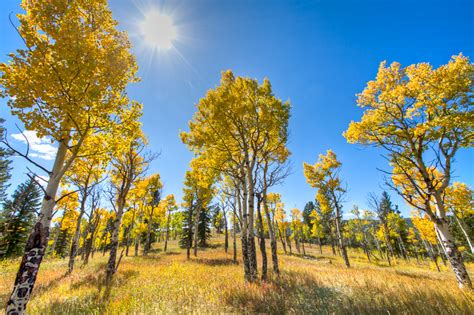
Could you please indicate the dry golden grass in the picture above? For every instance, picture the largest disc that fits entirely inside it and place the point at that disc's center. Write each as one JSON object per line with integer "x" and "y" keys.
{"x": 211, "y": 283}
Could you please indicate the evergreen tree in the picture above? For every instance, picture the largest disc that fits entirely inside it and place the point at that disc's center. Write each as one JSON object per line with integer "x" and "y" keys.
{"x": 204, "y": 229}
{"x": 308, "y": 208}
{"x": 17, "y": 218}
{"x": 4, "y": 165}
{"x": 62, "y": 242}
{"x": 186, "y": 237}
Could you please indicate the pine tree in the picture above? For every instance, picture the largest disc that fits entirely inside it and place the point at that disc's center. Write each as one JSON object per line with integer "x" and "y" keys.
{"x": 17, "y": 218}
{"x": 308, "y": 209}
{"x": 204, "y": 229}
{"x": 4, "y": 165}
{"x": 186, "y": 237}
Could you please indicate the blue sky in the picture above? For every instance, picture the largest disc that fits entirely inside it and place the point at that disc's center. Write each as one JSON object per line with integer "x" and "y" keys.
{"x": 317, "y": 54}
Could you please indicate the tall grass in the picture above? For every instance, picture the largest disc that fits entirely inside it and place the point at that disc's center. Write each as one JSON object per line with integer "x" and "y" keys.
{"x": 211, "y": 283}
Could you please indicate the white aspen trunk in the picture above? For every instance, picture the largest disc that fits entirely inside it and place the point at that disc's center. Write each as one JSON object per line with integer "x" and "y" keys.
{"x": 38, "y": 239}
{"x": 242, "y": 200}
{"x": 234, "y": 237}
{"x": 226, "y": 234}
{"x": 453, "y": 254}
{"x": 466, "y": 235}
{"x": 251, "y": 226}
{"x": 261, "y": 238}
{"x": 449, "y": 246}
{"x": 339, "y": 232}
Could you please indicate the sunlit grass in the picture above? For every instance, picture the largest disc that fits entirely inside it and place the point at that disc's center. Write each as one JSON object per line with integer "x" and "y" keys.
{"x": 167, "y": 283}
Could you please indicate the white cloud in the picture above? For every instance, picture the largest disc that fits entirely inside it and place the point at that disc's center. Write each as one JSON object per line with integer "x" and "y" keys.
{"x": 39, "y": 147}
{"x": 42, "y": 180}
{"x": 348, "y": 216}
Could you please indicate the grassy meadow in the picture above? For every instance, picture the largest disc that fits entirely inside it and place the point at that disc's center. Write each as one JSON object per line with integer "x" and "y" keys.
{"x": 211, "y": 283}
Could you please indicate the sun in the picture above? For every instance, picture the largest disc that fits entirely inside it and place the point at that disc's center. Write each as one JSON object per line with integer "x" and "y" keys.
{"x": 158, "y": 30}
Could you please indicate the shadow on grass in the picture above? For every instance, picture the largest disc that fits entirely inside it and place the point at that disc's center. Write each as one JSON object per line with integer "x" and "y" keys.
{"x": 155, "y": 251}
{"x": 89, "y": 304}
{"x": 44, "y": 288}
{"x": 97, "y": 280}
{"x": 320, "y": 258}
{"x": 291, "y": 292}
{"x": 301, "y": 293}
{"x": 414, "y": 276}
{"x": 171, "y": 253}
{"x": 211, "y": 246}
{"x": 214, "y": 262}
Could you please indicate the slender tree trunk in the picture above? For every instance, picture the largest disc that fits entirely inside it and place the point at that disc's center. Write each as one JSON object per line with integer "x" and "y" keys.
{"x": 415, "y": 252}
{"x": 466, "y": 234}
{"x": 137, "y": 238}
{"x": 389, "y": 246}
{"x": 367, "y": 253}
{"x": 244, "y": 227}
{"x": 252, "y": 253}
{"x": 104, "y": 250}
{"x": 297, "y": 244}
{"x": 302, "y": 246}
{"x": 245, "y": 256}
{"x": 196, "y": 229}
{"x": 402, "y": 248}
{"x": 127, "y": 240}
{"x": 453, "y": 254}
{"x": 92, "y": 228}
{"x": 114, "y": 242}
{"x": 38, "y": 240}
{"x": 441, "y": 250}
{"x": 129, "y": 232}
{"x": 226, "y": 236}
{"x": 271, "y": 232}
{"x": 431, "y": 254}
{"x": 270, "y": 223}
{"x": 388, "y": 242}
{"x": 77, "y": 232}
{"x": 379, "y": 249}
{"x": 189, "y": 235}
{"x": 320, "y": 245}
{"x": 234, "y": 235}
{"x": 339, "y": 237}
{"x": 333, "y": 247}
{"x": 282, "y": 240}
{"x": 57, "y": 234}
{"x": 148, "y": 232}
{"x": 261, "y": 237}
{"x": 288, "y": 242}
{"x": 167, "y": 230}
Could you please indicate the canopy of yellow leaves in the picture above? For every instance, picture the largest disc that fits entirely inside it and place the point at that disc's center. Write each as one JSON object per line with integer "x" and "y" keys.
{"x": 405, "y": 103}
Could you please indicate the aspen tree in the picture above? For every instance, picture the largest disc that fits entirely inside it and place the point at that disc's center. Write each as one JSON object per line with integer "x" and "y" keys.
{"x": 67, "y": 83}
{"x": 324, "y": 176}
{"x": 421, "y": 116}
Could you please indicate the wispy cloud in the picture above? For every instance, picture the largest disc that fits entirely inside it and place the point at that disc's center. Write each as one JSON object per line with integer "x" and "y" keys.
{"x": 42, "y": 180}
{"x": 348, "y": 216}
{"x": 39, "y": 147}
